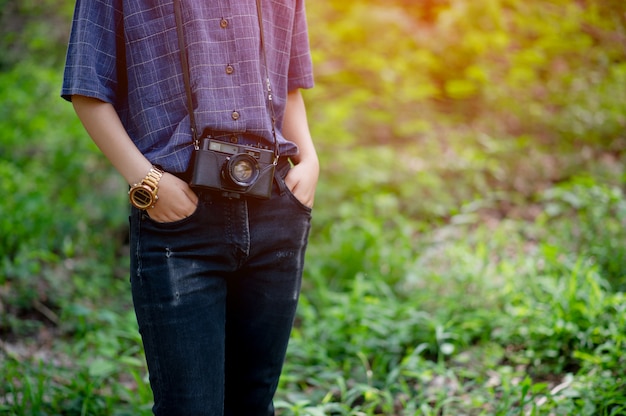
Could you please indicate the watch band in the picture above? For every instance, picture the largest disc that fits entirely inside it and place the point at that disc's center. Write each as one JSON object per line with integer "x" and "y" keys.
{"x": 143, "y": 195}
{"x": 153, "y": 177}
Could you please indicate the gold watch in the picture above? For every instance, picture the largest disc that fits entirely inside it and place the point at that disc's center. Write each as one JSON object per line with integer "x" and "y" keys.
{"x": 143, "y": 195}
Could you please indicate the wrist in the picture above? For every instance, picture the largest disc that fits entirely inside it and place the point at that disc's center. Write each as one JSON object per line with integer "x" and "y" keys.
{"x": 307, "y": 158}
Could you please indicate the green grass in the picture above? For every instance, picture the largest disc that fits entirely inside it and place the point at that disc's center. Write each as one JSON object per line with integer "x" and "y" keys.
{"x": 508, "y": 317}
{"x": 407, "y": 308}
{"x": 486, "y": 323}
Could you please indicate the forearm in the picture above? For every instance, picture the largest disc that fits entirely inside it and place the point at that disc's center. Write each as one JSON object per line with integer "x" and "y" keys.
{"x": 176, "y": 199}
{"x": 105, "y": 128}
{"x": 302, "y": 179}
{"x": 296, "y": 128}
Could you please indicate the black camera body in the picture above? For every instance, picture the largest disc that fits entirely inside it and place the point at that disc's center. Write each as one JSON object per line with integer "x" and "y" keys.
{"x": 234, "y": 169}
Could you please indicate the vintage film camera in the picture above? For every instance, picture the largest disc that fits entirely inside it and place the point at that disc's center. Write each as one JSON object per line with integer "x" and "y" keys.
{"x": 234, "y": 169}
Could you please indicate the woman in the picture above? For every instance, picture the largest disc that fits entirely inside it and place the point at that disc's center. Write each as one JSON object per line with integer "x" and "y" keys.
{"x": 215, "y": 275}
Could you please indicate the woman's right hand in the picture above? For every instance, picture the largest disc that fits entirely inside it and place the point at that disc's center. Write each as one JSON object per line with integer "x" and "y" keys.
{"x": 176, "y": 200}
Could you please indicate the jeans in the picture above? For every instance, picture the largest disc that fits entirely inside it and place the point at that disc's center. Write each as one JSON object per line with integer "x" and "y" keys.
{"x": 215, "y": 296}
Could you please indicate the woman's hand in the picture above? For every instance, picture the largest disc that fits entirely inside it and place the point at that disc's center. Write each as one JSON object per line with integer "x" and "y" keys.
{"x": 302, "y": 181}
{"x": 176, "y": 200}
{"x": 302, "y": 178}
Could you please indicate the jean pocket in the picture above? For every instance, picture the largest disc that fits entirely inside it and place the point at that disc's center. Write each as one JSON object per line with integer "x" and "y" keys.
{"x": 173, "y": 224}
{"x": 295, "y": 199}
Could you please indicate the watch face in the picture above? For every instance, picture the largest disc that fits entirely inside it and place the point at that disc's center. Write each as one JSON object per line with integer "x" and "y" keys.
{"x": 141, "y": 198}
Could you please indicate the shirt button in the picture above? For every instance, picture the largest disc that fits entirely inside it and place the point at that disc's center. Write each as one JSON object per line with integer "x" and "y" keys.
{"x": 230, "y": 69}
{"x": 223, "y": 23}
{"x": 235, "y": 115}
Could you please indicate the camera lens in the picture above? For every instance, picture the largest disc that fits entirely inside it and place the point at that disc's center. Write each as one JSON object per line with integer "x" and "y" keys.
{"x": 242, "y": 169}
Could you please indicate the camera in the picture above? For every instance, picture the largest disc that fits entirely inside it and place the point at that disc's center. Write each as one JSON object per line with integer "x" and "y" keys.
{"x": 234, "y": 169}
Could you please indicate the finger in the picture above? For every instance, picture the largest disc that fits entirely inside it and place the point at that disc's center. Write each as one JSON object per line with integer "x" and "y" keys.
{"x": 193, "y": 197}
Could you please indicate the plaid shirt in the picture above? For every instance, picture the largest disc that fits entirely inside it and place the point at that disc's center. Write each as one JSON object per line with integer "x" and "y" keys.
{"x": 226, "y": 68}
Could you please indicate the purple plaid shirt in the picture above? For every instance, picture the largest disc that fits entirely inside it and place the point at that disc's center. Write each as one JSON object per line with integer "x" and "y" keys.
{"x": 226, "y": 68}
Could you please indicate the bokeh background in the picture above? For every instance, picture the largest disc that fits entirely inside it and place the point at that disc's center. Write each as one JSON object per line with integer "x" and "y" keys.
{"x": 468, "y": 250}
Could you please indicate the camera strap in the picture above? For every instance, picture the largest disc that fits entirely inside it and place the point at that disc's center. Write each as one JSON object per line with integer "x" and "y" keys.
{"x": 178, "y": 11}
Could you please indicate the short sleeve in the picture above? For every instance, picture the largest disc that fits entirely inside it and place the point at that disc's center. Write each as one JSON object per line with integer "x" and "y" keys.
{"x": 300, "y": 64}
{"x": 91, "y": 67}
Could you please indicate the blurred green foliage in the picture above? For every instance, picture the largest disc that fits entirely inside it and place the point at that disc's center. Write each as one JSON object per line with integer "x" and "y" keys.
{"x": 33, "y": 30}
{"x": 394, "y": 72}
{"x": 467, "y": 255}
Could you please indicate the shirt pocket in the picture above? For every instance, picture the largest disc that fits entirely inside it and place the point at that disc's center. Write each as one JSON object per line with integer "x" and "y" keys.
{"x": 153, "y": 56}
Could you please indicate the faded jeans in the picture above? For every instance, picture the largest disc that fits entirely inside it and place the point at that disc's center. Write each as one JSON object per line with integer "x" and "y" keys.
{"x": 215, "y": 296}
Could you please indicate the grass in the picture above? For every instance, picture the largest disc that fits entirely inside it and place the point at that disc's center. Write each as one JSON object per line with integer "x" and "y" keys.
{"x": 489, "y": 318}
{"x": 479, "y": 329}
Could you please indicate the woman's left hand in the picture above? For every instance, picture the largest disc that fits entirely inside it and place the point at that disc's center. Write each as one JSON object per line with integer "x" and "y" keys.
{"x": 302, "y": 181}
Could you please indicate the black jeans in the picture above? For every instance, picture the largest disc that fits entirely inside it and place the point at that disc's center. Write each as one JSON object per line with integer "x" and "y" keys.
{"x": 215, "y": 296}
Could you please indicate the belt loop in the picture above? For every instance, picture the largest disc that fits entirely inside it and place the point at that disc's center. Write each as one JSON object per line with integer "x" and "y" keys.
{"x": 282, "y": 168}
